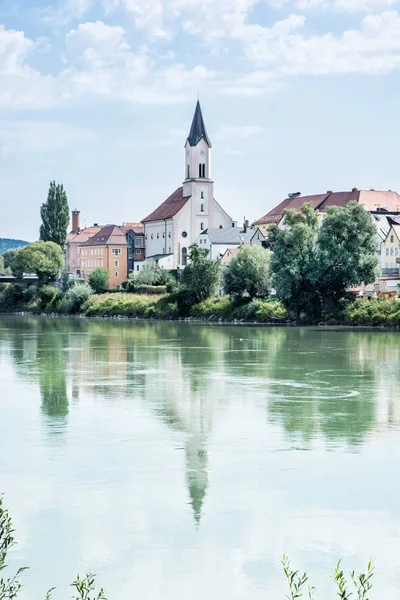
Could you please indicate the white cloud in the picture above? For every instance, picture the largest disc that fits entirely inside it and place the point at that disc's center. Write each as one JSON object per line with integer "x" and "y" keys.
{"x": 347, "y": 5}
{"x": 374, "y": 48}
{"x": 68, "y": 10}
{"x": 237, "y": 132}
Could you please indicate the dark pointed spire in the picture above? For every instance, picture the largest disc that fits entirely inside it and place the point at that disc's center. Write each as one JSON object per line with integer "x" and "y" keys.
{"x": 198, "y": 129}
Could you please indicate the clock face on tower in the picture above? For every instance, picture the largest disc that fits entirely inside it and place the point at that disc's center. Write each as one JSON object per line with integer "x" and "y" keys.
{"x": 202, "y": 152}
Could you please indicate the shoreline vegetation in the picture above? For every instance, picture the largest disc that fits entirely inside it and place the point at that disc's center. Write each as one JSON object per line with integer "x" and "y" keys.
{"x": 47, "y": 301}
{"x": 303, "y": 278}
{"x": 85, "y": 587}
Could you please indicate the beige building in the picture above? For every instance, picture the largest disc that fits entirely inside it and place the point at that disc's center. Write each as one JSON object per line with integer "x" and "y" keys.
{"x": 108, "y": 248}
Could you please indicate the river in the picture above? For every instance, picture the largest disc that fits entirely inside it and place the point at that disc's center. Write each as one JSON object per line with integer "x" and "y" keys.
{"x": 182, "y": 461}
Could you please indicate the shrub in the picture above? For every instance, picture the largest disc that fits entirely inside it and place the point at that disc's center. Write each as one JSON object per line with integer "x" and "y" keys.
{"x": 76, "y": 296}
{"x": 47, "y": 296}
{"x": 150, "y": 289}
{"x": 379, "y": 311}
{"x": 248, "y": 273}
{"x": 216, "y": 307}
{"x": 99, "y": 280}
{"x": 11, "y": 297}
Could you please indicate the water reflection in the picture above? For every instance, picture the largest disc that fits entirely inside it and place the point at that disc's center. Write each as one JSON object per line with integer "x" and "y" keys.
{"x": 180, "y": 445}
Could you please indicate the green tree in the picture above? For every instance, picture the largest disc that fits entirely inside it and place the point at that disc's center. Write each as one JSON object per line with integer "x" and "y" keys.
{"x": 152, "y": 274}
{"x": 201, "y": 276}
{"x": 99, "y": 280}
{"x": 55, "y": 215}
{"x": 347, "y": 252}
{"x": 44, "y": 259}
{"x": 248, "y": 273}
{"x": 314, "y": 265}
{"x": 1, "y": 264}
{"x": 293, "y": 260}
{"x": 8, "y": 256}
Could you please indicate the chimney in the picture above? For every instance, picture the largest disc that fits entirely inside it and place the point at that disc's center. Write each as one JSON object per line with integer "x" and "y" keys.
{"x": 76, "y": 221}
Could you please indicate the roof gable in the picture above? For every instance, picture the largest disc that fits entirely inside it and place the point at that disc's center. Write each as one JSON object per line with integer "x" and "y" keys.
{"x": 110, "y": 235}
{"x": 169, "y": 208}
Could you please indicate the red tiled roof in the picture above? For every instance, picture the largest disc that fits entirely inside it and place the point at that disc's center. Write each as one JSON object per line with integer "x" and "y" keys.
{"x": 110, "y": 235}
{"x": 136, "y": 227}
{"x": 169, "y": 208}
{"x": 83, "y": 235}
{"x": 372, "y": 200}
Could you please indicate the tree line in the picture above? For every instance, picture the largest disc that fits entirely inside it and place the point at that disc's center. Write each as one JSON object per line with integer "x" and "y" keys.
{"x": 310, "y": 264}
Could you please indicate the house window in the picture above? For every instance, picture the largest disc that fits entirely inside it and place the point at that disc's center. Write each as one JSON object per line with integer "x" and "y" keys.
{"x": 201, "y": 241}
{"x": 169, "y": 234}
{"x": 396, "y": 252}
{"x": 146, "y": 236}
{"x": 116, "y": 263}
{"x": 202, "y": 195}
{"x": 158, "y": 235}
{"x": 387, "y": 251}
{"x": 116, "y": 251}
{"x": 391, "y": 251}
{"x": 201, "y": 207}
{"x": 139, "y": 242}
{"x": 163, "y": 234}
{"x": 391, "y": 239}
{"x": 151, "y": 236}
{"x": 138, "y": 251}
{"x": 137, "y": 267}
{"x": 116, "y": 273}
{"x": 118, "y": 287}
{"x": 184, "y": 257}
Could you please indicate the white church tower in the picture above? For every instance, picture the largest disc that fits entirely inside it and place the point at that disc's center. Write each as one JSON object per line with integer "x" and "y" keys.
{"x": 173, "y": 227}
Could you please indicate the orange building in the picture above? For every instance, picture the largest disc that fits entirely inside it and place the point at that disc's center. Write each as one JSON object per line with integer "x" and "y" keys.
{"x": 108, "y": 248}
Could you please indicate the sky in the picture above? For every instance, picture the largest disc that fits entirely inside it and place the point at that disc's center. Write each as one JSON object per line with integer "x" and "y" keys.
{"x": 297, "y": 95}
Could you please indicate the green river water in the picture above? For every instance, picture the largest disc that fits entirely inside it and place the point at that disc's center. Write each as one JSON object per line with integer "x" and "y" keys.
{"x": 180, "y": 461}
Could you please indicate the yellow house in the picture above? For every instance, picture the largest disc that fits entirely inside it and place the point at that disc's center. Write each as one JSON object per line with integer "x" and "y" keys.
{"x": 391, "y": 252}
{"x": 109, "y": 249}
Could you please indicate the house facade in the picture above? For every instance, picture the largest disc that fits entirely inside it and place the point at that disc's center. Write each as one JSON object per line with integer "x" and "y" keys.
{"x": 218, "y": 240}
{"x": 173, "y": 227}
{"x": 136, "y": 246}
{"x": 109, "y": 248}
{"x": 390, "y": 252}
{"x": 75, "y": 238}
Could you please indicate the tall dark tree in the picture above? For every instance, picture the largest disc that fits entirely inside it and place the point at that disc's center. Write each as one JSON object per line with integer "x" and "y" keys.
{"x": 55, "y": 215}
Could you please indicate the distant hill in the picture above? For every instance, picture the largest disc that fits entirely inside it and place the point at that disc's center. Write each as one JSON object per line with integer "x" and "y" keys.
{"x": 6, "y": 244}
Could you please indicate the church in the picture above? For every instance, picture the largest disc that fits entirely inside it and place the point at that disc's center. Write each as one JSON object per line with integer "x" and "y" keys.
{"x": 173, "y": 227}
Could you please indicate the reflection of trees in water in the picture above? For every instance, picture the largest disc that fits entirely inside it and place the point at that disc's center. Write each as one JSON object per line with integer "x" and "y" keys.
{"x": 317, "y": 383}
{"x": 339, "y": 372}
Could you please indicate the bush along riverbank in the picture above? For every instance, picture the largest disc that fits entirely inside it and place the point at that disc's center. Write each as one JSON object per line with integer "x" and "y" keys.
{"x": 356, "y": 585}
{"x": 80, "y": 300}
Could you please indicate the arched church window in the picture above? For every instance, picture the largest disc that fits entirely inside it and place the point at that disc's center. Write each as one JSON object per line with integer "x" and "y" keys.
{"x": 158, "y": 235}
{"x": 188, "y": 171}
{"x": 203, "y": 170}
{"x": 201, "y": 207}
{"x": 202, "y": 226}
{"x": 200, "y": 170}
{"x": 202, "y": 195}
{"x": 184, "y": 257}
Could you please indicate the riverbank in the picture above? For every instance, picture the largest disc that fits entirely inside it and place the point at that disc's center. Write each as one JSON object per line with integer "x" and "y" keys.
{"x": 383, "y": 312}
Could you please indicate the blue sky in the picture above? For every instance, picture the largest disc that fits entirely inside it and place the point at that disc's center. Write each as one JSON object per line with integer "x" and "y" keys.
{"x": 297, "y": 95}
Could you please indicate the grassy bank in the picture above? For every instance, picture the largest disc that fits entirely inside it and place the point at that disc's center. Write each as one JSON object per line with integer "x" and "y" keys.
{"x": 80, "y": 300}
